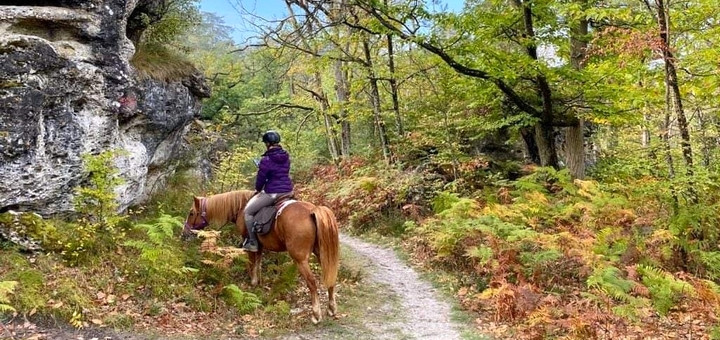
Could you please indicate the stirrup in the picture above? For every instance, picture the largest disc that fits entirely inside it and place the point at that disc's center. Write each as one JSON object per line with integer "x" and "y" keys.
{"x": 250, "y": 246}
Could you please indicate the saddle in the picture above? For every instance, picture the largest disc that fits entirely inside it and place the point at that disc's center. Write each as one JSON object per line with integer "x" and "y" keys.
{"x": 266, "y": 217}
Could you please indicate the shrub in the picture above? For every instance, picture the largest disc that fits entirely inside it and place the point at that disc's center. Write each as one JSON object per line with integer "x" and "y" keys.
{"x": 98, "y": 225}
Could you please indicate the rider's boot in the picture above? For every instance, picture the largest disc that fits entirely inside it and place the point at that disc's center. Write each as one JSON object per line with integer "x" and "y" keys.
{"x": 251, "y": 242}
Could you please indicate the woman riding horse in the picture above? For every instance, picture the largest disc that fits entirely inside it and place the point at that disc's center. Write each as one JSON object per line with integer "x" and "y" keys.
{"x": 273, "y": 180}
{"x": 302, "y": 229}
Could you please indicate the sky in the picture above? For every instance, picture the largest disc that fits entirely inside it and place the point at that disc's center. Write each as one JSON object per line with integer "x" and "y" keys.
{"x": 252, "y": 10}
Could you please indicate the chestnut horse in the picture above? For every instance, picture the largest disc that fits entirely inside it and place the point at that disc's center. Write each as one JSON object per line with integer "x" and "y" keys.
{"x": 301, "y": 229}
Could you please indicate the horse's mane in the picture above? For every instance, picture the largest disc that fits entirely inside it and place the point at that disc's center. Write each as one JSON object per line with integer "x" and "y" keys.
{"x": 228, "y": 206}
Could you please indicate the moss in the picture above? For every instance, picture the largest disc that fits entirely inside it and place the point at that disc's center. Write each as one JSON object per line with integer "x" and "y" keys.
{"x": 6, "y": 218}
{"x": 157, "y": 62}
{"x": 9, "y": 84}
{"x": 29, "y": 293}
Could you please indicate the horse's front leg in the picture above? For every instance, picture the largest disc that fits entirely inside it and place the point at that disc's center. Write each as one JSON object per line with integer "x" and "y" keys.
{"x": 255, "y": 263}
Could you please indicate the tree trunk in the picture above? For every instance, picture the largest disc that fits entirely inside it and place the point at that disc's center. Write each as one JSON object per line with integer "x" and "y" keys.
{"x": 532, "y": 154}
{"x": 375, "y": 103}
{"x": 672, "y": 83}
{"x": 575, "y": 149}
{"x": 341, "y": 91}
{"x": 575, "y": 135}
{"x": 706, "y": 140}
{"x": 329, "y": 128}
{"x": 544, "y": 130}
{"x": 545, "y": 139}
{"x": 646, "y": 131}
{"x": 394, "y": 87}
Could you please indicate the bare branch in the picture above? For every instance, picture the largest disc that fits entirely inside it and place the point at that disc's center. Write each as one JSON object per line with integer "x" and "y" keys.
{"x": 274, "y": 108}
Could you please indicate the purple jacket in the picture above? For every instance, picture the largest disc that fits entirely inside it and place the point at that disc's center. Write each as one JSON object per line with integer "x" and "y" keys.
{"x": 274, "y": 172}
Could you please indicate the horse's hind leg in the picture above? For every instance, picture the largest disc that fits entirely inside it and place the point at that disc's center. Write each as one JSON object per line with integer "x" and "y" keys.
{"x": 332, "y": 305}
{"x": 255, "y": 263}
{"x": 307, "y": 274}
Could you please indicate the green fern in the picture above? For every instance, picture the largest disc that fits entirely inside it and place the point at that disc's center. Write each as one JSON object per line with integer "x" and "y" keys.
{"x": 163, "y": 228}
{"x": 6, "y": 288}
{"x": 245, "y": 302}
{"x": 609, "y": 281}
{"x": 665, "y": 290}
{"x": 160, "y": 262}
{"x": 711, "y": 260}
{"x": 483, "y": 254}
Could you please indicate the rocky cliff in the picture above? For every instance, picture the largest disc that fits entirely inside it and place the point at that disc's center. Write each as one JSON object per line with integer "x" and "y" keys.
{"x": 67, "y": 89}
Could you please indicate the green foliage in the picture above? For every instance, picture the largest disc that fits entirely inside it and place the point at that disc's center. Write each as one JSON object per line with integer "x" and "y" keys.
{"x": 444, "y": 201}
{"x": 236, "y": 169}
{"x": 99, "y": 220}
{"x": 609, "y": 280}
{"x": 245, "y": 302}
{"x": 178, "y": 17}
{"x": 482, "y": 254}
{"x": 160, "y": 262}
{"x": 284, "y": 273}
{"x": 6, "y": 288}
{"x": 280, "y": 308}
{"x": 665, "y": 290}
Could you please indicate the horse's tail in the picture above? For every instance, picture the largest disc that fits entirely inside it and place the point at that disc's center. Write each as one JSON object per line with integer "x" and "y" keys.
{"x": 328, "y": 243}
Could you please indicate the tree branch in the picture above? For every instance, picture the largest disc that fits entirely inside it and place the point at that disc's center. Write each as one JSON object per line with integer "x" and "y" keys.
{"x": 513, "y": 96}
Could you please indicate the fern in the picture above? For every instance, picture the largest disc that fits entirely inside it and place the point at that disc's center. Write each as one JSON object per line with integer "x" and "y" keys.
{"x": 6, "y": 288}
{"x": 482, "y": 253}
{"x": 711, "y": 260}
{"x": 609, "y": 281}
{"x": 444, "y": 201}
{"x": 665, "y": 290}
{"x": 158, "y": 259}
{"x": 163, "y": 228}
{"x": 245, "y": 302}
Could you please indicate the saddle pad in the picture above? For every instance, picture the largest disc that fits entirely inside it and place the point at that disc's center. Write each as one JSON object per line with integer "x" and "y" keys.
{"x": 265, "y": 218}
{"x": 284, "y": 205}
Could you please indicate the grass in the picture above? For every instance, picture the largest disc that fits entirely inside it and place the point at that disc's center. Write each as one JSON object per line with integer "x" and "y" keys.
{"x": 158, "y": 62}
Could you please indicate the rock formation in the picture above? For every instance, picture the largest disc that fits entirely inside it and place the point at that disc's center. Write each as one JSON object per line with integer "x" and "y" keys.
{"x": 67, "y": 89}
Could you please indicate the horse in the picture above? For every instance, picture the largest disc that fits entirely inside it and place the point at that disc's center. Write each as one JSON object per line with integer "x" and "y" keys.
{"x": 301, "y": 229}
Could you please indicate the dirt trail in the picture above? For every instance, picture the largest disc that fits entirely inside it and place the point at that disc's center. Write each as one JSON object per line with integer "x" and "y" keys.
{"x": 424, "y": 314}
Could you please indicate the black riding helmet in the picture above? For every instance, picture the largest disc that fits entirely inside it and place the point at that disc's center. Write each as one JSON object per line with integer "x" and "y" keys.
{"x": 271, "y": 137}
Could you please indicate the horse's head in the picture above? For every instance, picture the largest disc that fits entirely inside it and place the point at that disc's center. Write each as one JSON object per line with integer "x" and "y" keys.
{"x": 196, "y": 219}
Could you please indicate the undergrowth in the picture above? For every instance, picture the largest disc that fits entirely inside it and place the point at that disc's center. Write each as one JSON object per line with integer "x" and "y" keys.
{"x": 133, "y": 271}
{"x": 552, "y": 256}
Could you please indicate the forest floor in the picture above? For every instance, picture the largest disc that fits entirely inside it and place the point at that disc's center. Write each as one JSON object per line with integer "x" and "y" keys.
{"x": 389, "y": 301}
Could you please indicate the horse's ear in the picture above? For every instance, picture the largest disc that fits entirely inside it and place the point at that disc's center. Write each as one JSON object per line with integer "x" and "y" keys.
{"x": 196, "y": 201}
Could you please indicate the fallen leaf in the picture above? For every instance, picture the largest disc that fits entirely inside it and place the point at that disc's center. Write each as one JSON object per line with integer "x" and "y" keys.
{"x": 96, "y": 321}
{"x": 101, "y": 295}
{"x": 124, "y": 297}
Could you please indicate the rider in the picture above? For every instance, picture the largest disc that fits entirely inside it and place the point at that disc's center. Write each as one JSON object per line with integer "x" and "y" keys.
{"x": 273, "y": 180}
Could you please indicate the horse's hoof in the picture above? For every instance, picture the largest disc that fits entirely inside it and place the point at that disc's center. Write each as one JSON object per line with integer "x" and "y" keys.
{"x": 315, "y": 320}
{"x": 330, "y": 312}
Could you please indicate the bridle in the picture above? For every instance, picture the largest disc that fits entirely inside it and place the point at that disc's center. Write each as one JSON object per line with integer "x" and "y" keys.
{"x": 203, "y": 214}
